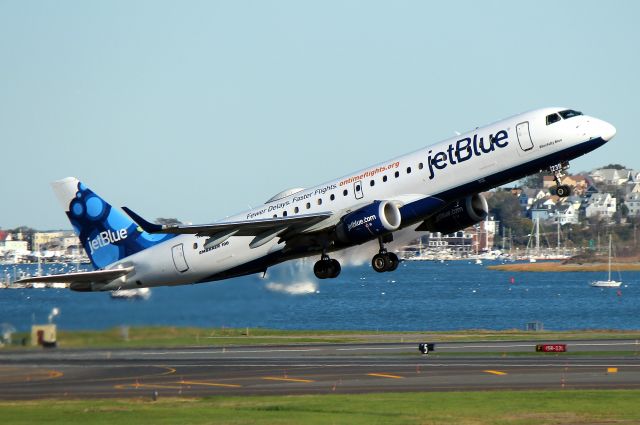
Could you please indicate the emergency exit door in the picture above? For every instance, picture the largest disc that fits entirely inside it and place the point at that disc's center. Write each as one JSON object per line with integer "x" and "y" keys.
{"x": 178, "y": 258}
{"x": 524, "y": 137}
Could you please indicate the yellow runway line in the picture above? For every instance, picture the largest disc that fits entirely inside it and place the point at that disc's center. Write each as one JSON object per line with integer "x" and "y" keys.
{"x": 384, "y": 375}
{"x": 136, "y": 386}
{"x": 495, "y": 372}
{"x": 210, "y": 384}
{"x": 54, "y": 374}
{"x": 275, "y": 378}
{"x": 169, "y": 371}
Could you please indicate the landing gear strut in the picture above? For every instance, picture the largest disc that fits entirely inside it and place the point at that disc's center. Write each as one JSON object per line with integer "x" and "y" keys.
{"x": 385, "y": 261}
{"x": 326, "y": 267}
{"x": 562, "y": 190}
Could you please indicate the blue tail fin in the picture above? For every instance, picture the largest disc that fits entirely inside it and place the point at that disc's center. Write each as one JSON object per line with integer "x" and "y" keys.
{"x": 106, "y": 234}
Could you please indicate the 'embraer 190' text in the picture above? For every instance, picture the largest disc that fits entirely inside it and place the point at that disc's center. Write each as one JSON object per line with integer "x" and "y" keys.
{"x": 464, "y": 149}
{"x": 105, "y": 238}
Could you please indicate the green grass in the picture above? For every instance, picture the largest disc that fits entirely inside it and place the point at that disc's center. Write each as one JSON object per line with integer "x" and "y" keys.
{"x": 472, "y": 408}
{"x": 178, "y": 336}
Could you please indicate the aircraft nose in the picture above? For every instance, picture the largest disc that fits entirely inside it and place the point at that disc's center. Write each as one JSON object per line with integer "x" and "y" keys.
{"x": 607, "y": 131}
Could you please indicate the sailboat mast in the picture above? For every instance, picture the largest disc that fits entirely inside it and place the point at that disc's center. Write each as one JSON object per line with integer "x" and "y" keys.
{"x": 609, "y": 256}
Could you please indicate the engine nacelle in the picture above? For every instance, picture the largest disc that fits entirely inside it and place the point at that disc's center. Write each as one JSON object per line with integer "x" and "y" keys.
{"x": 366, "y": 223}
{"x": 457, "y": 215}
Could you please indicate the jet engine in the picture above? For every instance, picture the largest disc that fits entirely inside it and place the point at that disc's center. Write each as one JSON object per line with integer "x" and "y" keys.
{"x": 457, "y": 215}
{"x": 366, "y": 223}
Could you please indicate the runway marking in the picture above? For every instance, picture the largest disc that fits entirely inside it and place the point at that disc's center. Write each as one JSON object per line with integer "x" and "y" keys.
{"x": 18, "y": 374}
{"x": 371, "y": 348}
{"x": 275, "y": 378}
{"x": 169, "y": 371}
{"x": 137, "y": 385}
{"x": 612, "y": 370}
{"x": 227, "y": 351}
{"x": 495, "y": 372}
{"x": 210, "y": 384}
{"x": 384, "y": 375}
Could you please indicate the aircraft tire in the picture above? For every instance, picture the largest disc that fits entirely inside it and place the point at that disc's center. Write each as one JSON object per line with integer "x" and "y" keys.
{"x": 394, "y": 261}
{"x": 334, "y": 268}
{"x": 380, "y": 263}
{"x": 563, "y": 191}
{"x": 320, "y": 269}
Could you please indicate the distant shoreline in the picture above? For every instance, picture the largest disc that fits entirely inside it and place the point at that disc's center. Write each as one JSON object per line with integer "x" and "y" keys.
{"x": 549, "y": 266}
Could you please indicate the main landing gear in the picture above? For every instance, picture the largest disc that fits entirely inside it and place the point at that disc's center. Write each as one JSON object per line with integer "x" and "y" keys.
{"x": 326, "y": 267}
{"x": 562, "y": 190}
{"x": 384, "y": 261}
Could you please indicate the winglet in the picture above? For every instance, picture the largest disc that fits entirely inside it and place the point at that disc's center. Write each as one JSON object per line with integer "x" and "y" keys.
{"x": 146, "y": 225}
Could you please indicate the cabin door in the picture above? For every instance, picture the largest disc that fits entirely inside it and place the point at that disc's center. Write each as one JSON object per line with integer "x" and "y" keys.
{"x": 524, "y": 137}
{"x": 178, "y": 258}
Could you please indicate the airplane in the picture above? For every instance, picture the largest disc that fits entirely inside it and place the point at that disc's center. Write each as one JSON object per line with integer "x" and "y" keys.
{"x": 436, "y": 188}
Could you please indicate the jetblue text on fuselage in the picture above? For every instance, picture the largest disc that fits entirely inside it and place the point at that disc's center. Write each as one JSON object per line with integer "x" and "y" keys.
{"x": 464, "y": 149}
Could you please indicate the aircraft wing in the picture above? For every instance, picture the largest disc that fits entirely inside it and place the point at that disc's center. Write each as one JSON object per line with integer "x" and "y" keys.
{"x": 96, "y": 276}
{"x": 237, "y": 228}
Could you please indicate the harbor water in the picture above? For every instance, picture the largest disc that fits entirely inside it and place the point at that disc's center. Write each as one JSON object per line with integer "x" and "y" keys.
{"x": 419, "y": 296}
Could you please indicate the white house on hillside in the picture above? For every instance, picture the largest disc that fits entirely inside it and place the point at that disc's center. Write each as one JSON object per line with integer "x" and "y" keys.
{"x": 600, "y": 204}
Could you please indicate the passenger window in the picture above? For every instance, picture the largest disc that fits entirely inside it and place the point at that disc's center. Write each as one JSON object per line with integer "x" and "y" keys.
{"x": 345, "y": 192}
{"x": 553, "y": 118}
{"x": 308, "y": 205}
{"x": 420, "y": 166}
{"x": 284, "y": 213}
{"x": 372, "y": 183}
{"x": 332, "y": 197}
{"x": 384, "y": 178}
{"x": 319, "y": 201}
{"x": 296, "y": 210}
{"x": 408, "y": 170}
{"x": 397, "y": 174}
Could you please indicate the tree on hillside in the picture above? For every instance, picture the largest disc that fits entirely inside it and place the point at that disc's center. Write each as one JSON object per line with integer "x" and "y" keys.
{"x": 614, "y": 167}
{"x": 533, "y": 181}
{"x": 168, "y": 221}
{"x": 505, "y": 207}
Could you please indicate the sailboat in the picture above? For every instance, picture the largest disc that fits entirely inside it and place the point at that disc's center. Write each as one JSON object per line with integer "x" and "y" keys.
{"x": 607, "y": 283}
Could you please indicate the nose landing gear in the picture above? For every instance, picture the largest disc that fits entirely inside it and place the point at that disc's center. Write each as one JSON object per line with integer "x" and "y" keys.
{"x": 562, "y": 190}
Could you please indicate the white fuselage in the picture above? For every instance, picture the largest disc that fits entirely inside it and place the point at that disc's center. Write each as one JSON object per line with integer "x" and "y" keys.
{"x": 461, "y": 166}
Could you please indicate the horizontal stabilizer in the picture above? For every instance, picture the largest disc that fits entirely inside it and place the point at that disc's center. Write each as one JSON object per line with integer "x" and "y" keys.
{"x": 97, "y": 276}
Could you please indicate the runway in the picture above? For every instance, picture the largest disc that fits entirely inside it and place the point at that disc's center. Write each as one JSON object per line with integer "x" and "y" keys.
{"x": 316, "y": 369}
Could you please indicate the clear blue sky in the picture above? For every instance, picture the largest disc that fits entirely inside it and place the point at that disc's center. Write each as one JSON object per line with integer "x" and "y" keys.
{"x": 196, "y": 110}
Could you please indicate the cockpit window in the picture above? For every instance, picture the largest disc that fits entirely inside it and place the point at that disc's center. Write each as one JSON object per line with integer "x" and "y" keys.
{"x": 553, "y": 118}
{"x": 569, "y": 113}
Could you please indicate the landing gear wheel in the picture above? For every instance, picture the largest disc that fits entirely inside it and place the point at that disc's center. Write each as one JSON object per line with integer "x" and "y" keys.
{"x": 320, "y": 269}
{"x": 394, "y": 261}
{"x": 335, "y": 268}
{"x": 380, "y": 262}
{"x": 563, "y": 191}
{"x": 326, "y": 268}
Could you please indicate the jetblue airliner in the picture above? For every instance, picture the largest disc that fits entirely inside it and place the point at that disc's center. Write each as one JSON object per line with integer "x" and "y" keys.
{"x": 436, "y": 188}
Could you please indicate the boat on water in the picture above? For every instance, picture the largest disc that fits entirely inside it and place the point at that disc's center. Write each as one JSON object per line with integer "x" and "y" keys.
{"x": 127, "y": 294}
{"x": 607, "y": 283}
